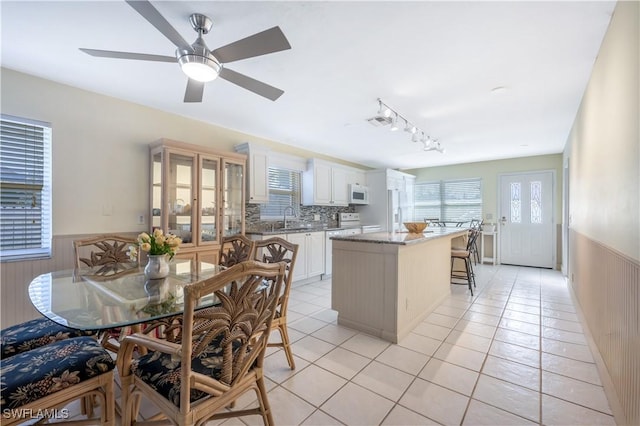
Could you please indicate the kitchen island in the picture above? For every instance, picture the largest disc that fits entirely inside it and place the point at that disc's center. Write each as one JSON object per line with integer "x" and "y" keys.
{"x": 385, "y": 284}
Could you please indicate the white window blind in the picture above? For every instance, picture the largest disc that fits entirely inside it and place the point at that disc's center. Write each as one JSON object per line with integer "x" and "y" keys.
{"x": 427, "y": 203}
{"x": 449, "y": 200}
{"x": 25, "y": 188}
{"x": 284, "y": 191}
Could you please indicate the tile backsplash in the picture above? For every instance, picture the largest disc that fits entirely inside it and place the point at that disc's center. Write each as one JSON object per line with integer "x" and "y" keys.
{"x": 327, "y": 215}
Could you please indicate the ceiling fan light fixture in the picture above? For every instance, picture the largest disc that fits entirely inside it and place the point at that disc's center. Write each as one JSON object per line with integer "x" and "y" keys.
{"x": 199, "y": 70}
{"x": 198, "y": 63}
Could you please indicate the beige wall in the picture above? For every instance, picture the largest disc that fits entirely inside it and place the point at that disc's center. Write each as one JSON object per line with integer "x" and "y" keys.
{"x": 603, "y": 149}
{"x": 603, "y": 158}
{"x": 489, "y": 171}
{"x": 100, "y": 150}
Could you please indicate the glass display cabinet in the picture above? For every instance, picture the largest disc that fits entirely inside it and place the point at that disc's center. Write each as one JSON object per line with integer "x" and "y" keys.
{"x": 198, "y": 195}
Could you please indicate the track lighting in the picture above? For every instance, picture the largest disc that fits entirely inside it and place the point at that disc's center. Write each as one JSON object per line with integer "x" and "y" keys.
{"x": 384, "y": 117}
{"x": 394, "y": 123}
{"x": 384, "y": 110}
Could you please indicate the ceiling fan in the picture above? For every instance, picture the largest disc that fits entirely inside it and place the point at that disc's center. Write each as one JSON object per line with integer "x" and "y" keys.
{"x": 198, "y": 62}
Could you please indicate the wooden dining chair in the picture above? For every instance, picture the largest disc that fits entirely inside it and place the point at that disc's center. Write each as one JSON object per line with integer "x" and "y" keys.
{"x": 217, "y": 355}
{"x": 52, "y": 376}
{"x": 274, "y": 250}
{"x": 235, "y": 249}
{"x": 105, "y": 257}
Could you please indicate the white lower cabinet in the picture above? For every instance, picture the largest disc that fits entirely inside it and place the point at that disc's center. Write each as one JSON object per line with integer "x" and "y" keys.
{"x": 310, "y": 259}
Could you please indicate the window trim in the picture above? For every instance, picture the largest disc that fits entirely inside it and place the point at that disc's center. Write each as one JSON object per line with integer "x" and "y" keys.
{"x": 45, "y": 249}
{"x": 297, "y": 197}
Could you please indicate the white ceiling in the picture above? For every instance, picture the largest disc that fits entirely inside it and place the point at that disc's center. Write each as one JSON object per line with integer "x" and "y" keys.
{"x": 435, "y": 63}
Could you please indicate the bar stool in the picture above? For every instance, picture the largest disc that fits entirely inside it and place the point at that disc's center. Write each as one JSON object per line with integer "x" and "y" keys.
{"x": 465, "y": 255}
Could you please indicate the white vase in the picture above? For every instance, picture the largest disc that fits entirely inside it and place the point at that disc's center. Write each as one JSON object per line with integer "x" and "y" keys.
{"x": 157, "y": 267}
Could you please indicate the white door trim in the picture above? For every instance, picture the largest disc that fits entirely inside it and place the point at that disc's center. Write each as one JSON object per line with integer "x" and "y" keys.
{"x": 554, "y": 236}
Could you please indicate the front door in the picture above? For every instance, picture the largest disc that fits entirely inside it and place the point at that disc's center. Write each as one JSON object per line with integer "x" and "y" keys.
{"x": 526, "y": 219}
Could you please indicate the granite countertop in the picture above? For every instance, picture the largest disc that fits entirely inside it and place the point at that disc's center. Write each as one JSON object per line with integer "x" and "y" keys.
{"x": 402, "y": 238}
{"x": 295, "y": 230}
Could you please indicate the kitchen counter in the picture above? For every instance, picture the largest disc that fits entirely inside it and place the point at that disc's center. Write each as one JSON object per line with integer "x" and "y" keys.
{"x": 385, "y": 284}
{"x": 291, "y": 230}
{"x": 402, "y": 238}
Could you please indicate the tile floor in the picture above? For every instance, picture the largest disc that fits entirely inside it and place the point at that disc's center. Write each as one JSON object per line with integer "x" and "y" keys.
{"x": 513, "y": 354}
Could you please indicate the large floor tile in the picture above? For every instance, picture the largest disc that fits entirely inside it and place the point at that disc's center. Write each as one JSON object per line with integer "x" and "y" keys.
{"x": 517, "y": 338}
{"x": 520, "y": 326}
{"x": 325, "y": 384}
{"x": 449, "y": 311}
{"x": 403, "y": 359}
{"x": 562, "y": 324}
{"x": 355, "y": 405}
{"x": 320, "y": 418}
{"x": 277, "y": 369}
{"x": 515, "y": 353}
{"x": 468, "y": 340}
{"x": 585, "y": 371}
{"x": 401, "y": 416}
{"x": 521, "y": 316}
{"x": 311, "y": 349}
{"x": 287, "y": 408}
{"x": 509, "y": 397}
{"x": 513, "y": 372}
{"x": 481, "y": 414}
{"x": 434, "y": 331}
{"x": 443, "y": 320}
{"x": 423, "y": 344}
{"x": 436, "y": 402}
{"x": 575, "y": 391}
{"x": 476, "y": 328}
{"x": 450, "y": 376}
{"x": 384, "y": 380}
{"x": 307, "y": 325}
{"x": 486, "y": 309}
{"x": 458, "y": 355}
{"x": 568, "y": 350}
{"x": 366, "y": 345}
{"x": 563, "y": 336}
{"x": 342, "y": 362}
{"x": 335, "y": 334}
{"x": 491, "y": 320}
{"x": 558, "y": 412}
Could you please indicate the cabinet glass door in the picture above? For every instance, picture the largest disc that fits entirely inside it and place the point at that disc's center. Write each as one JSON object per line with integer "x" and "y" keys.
{"x": 233, "y": 199}
{"x": 156, "y": 190}
{"x": 208, "y": 200}
{"x": 180, "y": 183}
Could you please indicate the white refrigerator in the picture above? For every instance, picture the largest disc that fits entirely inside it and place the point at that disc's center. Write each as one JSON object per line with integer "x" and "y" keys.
{"x": 389, "y": 205}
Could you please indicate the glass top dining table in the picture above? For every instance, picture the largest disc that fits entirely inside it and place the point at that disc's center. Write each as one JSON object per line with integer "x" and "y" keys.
{"x": 79, "y": 299}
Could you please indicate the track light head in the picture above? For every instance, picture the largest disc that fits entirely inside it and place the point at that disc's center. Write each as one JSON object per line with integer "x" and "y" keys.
{"x": 394, "y": 123}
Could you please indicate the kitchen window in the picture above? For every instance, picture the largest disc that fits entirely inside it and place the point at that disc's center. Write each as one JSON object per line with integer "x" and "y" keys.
{"x": 25, "y": 188}
{"x": 457, "y": 200}
{"x": 284, "y": 191}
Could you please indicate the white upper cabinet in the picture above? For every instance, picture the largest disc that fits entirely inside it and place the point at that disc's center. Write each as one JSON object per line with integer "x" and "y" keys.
{"x": 327, "y": 184}
{"x": 258, "y": 170}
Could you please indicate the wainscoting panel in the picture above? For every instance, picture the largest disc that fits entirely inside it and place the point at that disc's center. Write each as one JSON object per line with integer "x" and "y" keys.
{"x": 16, "y": 276}
{"x": 607, "y": 285}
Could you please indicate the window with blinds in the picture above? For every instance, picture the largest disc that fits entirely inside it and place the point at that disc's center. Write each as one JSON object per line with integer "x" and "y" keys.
{"x": 25, "y": 188}
{"x": 284, "y": 191}
{"x": 449, "y": 200}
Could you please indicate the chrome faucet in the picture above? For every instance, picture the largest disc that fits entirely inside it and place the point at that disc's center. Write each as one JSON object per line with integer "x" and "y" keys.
{"x": 284, "y": 219}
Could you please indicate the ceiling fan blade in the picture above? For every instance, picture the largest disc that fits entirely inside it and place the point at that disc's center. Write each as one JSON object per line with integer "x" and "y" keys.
{"x": 128, "y": 55}
{"x": 194, "y": 91}
{"x": 151, "y": 14}
{"x": 267, "y": 41}
{"x": 255, "y": 86}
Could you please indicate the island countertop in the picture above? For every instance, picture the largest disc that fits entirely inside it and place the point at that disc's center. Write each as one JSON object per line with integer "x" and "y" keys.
{"x": 402, "y": 238}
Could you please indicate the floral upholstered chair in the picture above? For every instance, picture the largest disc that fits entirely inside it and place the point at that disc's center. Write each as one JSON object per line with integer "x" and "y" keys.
{"x": 217, "y": 353}
{"x": 33, "y": 334}
{"x": 54, "y": 375}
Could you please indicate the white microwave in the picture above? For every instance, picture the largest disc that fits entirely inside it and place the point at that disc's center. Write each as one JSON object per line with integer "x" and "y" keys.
{"x": 358, "y": 194}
